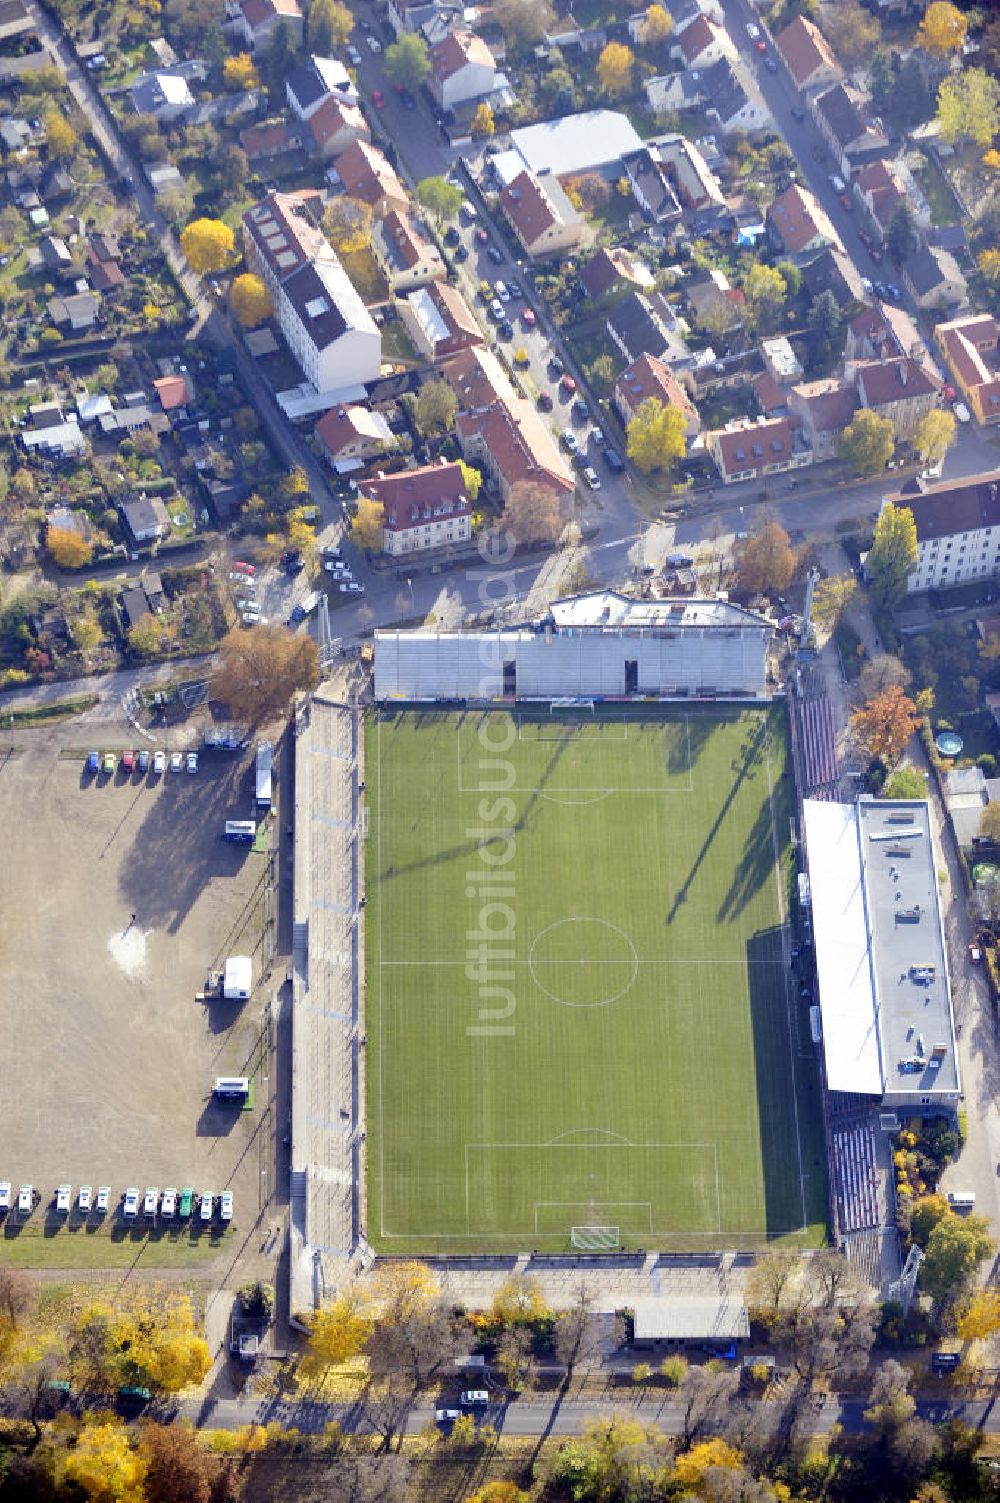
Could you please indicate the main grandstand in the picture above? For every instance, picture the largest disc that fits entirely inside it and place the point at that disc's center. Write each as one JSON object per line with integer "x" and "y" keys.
{"x": 597, "y": 645}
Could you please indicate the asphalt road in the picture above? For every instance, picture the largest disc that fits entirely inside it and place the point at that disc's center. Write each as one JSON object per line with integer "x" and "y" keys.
{"x": 531, "y": 1416}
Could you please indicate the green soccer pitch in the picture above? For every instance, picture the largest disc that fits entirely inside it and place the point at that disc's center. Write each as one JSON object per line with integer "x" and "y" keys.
{"x": 581, "y": 1025}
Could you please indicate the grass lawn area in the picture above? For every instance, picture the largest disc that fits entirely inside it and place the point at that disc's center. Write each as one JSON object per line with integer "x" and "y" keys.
{"x": 181, "y": 516}
{"x": 397, "y": 344}
{"x": 54, "y": 1244}
{"x": 368, "y": 280}
{"x": 631, "y": 1058}
{"x": 932, "y": 184}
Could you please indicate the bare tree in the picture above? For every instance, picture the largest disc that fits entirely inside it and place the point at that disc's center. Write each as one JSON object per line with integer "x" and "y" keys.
{"x": 413, "y": 1345}
{"x": 773, "y": 1278}
{"x": 832, "y": 1276}
{"x": 534, "y": 513}
{"x": 576, "y": 1337}
{"x": 17, "y": 1295}
{"x": 880, "y": 673}
{"x": 514, "y": 1357}
{"x": 704, "y": 1397}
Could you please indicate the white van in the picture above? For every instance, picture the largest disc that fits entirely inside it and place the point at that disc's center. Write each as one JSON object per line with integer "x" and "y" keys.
{"x": 961, "y": 1200}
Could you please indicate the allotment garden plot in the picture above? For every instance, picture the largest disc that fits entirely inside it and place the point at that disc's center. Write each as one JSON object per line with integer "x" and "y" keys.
{"x": 580, "y": 1029}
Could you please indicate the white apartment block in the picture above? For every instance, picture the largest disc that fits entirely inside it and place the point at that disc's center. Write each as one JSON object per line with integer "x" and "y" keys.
{"x": 958, "y": 530}
{"x": 324, "y": 321}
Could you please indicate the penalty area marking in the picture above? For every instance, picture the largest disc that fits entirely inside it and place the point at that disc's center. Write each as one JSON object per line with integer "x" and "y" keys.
{"x": 593, "y": 794}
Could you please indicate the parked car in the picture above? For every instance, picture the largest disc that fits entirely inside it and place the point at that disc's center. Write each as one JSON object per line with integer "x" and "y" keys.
{"x": 407, "y": 100}
{"x": 528, "y": 318}
{"x": 168, "y": 1205}
{"x": 496, "y": 311}
{"x": 103, "y": 1200}
{"x": 186, "y": 1202}
{"x": 555, "y": 365}
{"x": 176, "y": 762}
{"x": 544, "y": 400}
{"x": 579, "y": 410}
{"x": 297, "y": 614}
{"x": 128, "y": 762}
{"x": 475, "y": 1398}
{"x": 159, "y": 763}
{"x": 570, "y": 442}
{"x": 460, "y": 253}
{"x": 142, "y": 762}
{"x": 226, "y": 1205}
{"x": 26, "y": 1200}
{"x": 130, "y": 1204}
{"x": 150, "y": 1200}
{"x": 613, "y": 460}
{"x": 5, "y": 1195}
{"x": 451, "y": 235}
{"x": 85, "y": 1198}
{"x": 567, "y": 384}
{"x": 798, "y": 113}
{"x": 353, "y": 55}
{"x": 506, "y": 329}
{"x": 243, "y": 567}
{"x": 447, "y": 1416}
{"x": 93, "y": 762}
{"x": 109, "y": 762}
{"x": 378, "y": 99}
{"x": 753, "y": 30}
{"x": 502, "y": 291}
{"x": 191, "y": 762}
{"x": 769, "y": 62}
{"x": 374, "y": 45}
{"x": 592, "y": 478}
{"x": 207, "y": 1202}
{"x": 495, "y": 254}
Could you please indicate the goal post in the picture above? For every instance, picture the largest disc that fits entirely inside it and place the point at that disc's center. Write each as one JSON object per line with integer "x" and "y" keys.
{"x": 572, "y": 705}
{"x": 595, "y": 1238}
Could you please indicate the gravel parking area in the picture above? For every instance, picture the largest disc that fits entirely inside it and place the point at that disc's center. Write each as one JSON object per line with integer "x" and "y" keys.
{"x": 118, "y": 895}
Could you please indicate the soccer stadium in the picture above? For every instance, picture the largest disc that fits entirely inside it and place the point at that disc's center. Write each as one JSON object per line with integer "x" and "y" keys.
{"x": 560, "y": 988}
{"x": 581, "y": 1032}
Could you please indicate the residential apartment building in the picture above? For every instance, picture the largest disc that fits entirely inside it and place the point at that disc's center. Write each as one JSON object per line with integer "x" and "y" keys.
{"x": 903, "y": 390}
{"x": 541, "y": 216}
{"x": 405, "y": 255}
{"x": 423, "y": 509}
{"x": 439, "y": 321}
{"x": 751, "y": 450}
{"x": 500, "y": 432}
{"x": 648, "y": 377}
{"x": 844, "y": 119}
{"x": 824, "y": 409}
{"x": 958, "y": 529}
{"x": 462, "y": 69}
{"x": 327, "y": 326}
{"x": 971, "y": 347}
{"x": 366, "y": 173}
{"x": 799, "y": 224}
{"x": 257, "y": 20}
{"x": 811, "y": 61}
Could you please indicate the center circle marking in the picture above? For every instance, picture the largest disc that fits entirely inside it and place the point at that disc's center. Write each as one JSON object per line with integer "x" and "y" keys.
{"x": 601, "y": 953}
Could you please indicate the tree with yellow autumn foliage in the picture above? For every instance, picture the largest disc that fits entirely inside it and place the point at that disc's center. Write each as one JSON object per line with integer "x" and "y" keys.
{"x": 339, "y": 1332}
{"x": 103, "y": 1464}
{"x": 366, "y": 526}
{"x": 942, "y": 29}
{"x": 67, "y": 548}
{"x": 981, "y": 1316}
{"x": 614, "y": 69}
{"x": 239, "y": 72}
{"x": 208, "y": 244}
{"x": 250, "y": 300}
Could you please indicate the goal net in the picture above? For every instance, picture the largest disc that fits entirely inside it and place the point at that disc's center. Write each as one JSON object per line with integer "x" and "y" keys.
{"x": 594, "y": 1238}
{"x": 572, "y": 706}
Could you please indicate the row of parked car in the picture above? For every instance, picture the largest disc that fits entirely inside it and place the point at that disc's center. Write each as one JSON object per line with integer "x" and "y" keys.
{"x": 172, "y": 1203}
{"x": 139, "y": 762}
{"x": 241, "y": 577}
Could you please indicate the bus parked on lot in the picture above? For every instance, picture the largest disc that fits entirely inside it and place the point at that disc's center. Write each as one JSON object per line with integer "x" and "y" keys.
{"x": 265, "y": 760}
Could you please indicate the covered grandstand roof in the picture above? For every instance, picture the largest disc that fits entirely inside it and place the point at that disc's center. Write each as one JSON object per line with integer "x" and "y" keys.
{"x": 720, "y": 1317}
{"x": 600, "y": 645}
{"x": 604, "y": 608}
{"x": 880, "y": 954}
